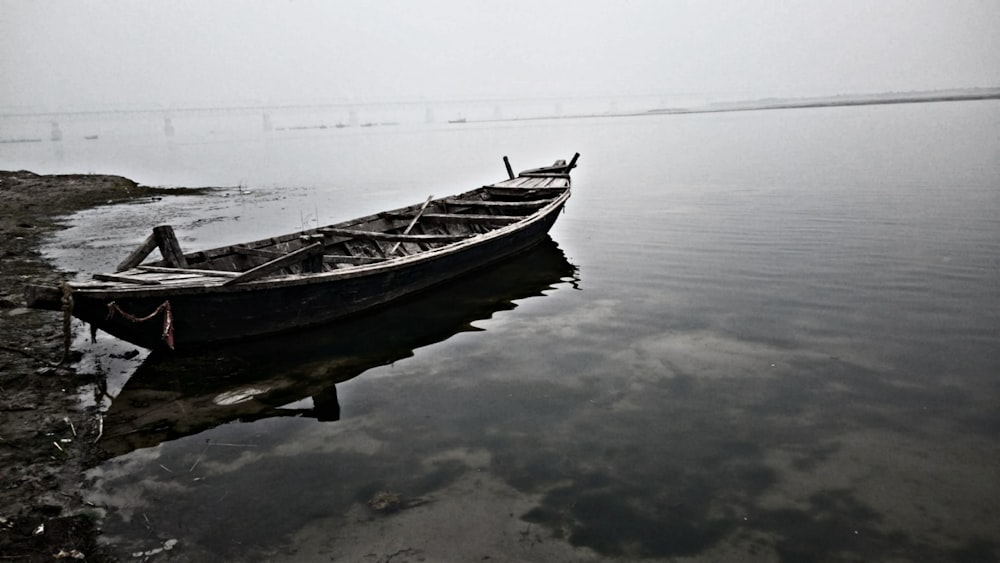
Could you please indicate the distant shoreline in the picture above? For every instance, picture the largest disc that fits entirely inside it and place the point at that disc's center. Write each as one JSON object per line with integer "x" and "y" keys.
{"x": 838, "y": 101}
{"x": 965, "y": 95}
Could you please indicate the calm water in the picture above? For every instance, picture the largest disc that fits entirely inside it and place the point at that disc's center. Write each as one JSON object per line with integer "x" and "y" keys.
{"x": 762, "y": 336}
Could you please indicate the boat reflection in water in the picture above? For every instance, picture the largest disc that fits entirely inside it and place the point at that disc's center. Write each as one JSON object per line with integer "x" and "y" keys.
{"x": 171, "y": 396}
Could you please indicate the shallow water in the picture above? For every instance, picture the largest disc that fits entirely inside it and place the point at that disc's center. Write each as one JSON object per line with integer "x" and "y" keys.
{"x": 756, "y": 336}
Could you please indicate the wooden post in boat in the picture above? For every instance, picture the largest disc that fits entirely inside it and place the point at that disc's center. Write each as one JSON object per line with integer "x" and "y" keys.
{"x": 572, "y": 163}
{"x": 163, "y": 237}
{"x": 313, "y": 264}
{"x": 413, "y": 222}
{"x": 510, "y": 171}
{"x": 166, "y": 240}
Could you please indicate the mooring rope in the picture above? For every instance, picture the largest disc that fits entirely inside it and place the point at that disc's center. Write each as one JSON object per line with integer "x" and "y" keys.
{"x": 168, "y": 319}
{"x": 67, "y": 308}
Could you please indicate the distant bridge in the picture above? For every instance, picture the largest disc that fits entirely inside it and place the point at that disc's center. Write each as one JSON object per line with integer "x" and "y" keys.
{"x": 609, "y": 101}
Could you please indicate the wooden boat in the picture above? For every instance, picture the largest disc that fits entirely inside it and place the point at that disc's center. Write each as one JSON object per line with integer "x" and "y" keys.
{"x": 313, "y": 276}
{"x": 296, "y": 374}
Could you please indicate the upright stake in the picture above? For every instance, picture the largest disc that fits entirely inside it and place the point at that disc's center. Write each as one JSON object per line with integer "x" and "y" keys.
{"x": 572, "y": 163}
{"x": 510, "y": 171}
{"x": 169, "y": 247}
{"x": 67, "y": 308}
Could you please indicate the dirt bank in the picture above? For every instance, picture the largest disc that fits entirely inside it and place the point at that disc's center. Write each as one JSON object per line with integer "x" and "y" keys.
{"x": 45, "y": 436}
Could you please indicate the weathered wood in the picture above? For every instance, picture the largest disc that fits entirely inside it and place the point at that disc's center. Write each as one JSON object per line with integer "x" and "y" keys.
{"x": 312, "y": 264}
{"x": 169, "y": 247}
{"x": 161, "y": 276}
{"x": 125, "y": 279}
{"x": 544, "y": 175}
{"x": 470, "y": 218}
{"x": 391, "y": 237}
{"x": 572, "y": 162}
{"x": 188, "y": 280}
{"x": 268, "y": 267}
{"x": 458, "y": 217}
{"x": 555, "y": 183}
{"x": 558, "y": 167}
{"x": 409, "y": 227}
{"x": 342, "y": 259}
{"x": 537, "y": 182}
{"x": 519, "y": 181}
{"x": 519, "y": 191}
{"x": 239, "y": 249}
{"x": 139, "y": 254}
{"x": 489, "y": 203}
{"x": 209, "y": 273}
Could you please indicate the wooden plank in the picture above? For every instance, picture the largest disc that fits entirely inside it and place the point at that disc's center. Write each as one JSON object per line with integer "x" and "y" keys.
{"x": 470, "y": 218}
{"x": 268, "y": 267}
{"x": 183, "y": 280}
{"x": 392, "y": 237}
{"x": 342, "y": 259}
{"x": 554, "y": 184}
{"x": 512, "y": 183}
{"x": 535, "y": 182}
{"x": 209, "y": 273}
{"x": 536, "y": 190}
{"x": 125, "y": 279}
{"x": 163, "y": 277}
{"x": 139, "y": 254}
{"x": 542, "y": 175}
{"x": 203, "y": 281}
{"x": 484, "y": 203}
{"x": 240, "y": 249}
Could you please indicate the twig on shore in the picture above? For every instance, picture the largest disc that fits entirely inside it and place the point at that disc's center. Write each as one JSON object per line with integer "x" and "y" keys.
{"x": 100, "y": 428}
{"x": 31, "y": 355}
{"x": 24, "y": 353}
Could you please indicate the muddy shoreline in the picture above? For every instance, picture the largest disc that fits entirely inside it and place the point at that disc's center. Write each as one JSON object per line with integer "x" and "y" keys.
{"x": 46, "y": 437}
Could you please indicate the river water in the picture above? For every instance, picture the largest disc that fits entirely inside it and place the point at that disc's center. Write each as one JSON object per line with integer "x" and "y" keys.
{"x": 756, "y": 336}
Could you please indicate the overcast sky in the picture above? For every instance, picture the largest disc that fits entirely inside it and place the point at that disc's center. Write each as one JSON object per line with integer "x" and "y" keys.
{"x": 72, "y": 54}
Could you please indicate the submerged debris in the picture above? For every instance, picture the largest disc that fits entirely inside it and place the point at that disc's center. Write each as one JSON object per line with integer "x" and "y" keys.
{"x": 387, "y": 502}
{"x": 384, "y": 501}
{"x": 167, "y": 546}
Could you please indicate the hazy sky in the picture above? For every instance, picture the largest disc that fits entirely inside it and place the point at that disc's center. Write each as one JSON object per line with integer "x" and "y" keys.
{"x": 59, "y": 54}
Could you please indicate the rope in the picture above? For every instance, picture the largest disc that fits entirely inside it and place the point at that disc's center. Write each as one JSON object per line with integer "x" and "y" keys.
{"x": 67, "y": 308}
{"x": 168, "y": 319}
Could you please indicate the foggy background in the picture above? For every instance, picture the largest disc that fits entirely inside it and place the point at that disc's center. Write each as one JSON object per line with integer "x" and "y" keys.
{"x": 61, "y": 56}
